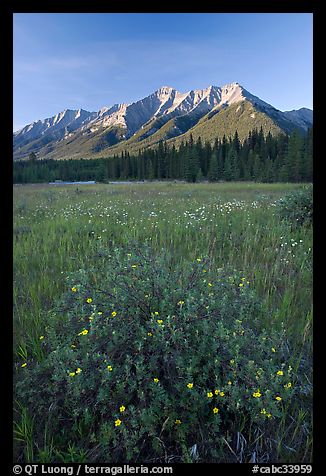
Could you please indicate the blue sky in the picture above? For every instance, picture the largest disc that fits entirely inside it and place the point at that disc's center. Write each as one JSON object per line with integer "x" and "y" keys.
{"x": 89, "y": 61}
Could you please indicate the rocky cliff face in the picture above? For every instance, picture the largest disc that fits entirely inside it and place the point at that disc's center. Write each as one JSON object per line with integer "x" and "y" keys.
{"x": 44, "y": 136}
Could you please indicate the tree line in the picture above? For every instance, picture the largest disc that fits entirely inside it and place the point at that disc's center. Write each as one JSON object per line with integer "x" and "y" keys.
{"x": 259, "y": 158}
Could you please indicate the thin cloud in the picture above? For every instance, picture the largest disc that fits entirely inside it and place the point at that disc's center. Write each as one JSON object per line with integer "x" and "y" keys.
{"x": 124, "y": 54}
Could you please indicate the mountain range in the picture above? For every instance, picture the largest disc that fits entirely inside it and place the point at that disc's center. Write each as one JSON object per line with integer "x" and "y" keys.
{"x": 165, "y": 114}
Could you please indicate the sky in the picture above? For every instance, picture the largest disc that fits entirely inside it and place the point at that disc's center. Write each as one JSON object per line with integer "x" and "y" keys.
{"x": 91, "y": 60}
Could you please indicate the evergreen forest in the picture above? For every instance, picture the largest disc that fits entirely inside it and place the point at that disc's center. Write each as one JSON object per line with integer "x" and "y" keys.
{"x": 259, "y": 158}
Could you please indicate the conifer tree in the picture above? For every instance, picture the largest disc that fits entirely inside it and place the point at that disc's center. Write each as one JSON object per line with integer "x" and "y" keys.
{"x": 213, "y": 171}
{"x": 150, "y": 170}
{"x": 294, "y": 159}
{"x": 161, "y": 160}
{"x": 207, "y": 156}
{"x": 308, "y": 157}
{"x": 199, "y": 176}
{"x": 191, "y": 164}
{"x": 231, "y": 167}
{"x": 236, "y": 142}
{"x": 32, "y": 157}
{"x": 256, "y": 168}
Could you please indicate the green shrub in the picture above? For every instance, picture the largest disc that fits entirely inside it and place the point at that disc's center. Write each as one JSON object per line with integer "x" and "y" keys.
{"x": 297, "y": 207}
{"x": 146, "y": 358}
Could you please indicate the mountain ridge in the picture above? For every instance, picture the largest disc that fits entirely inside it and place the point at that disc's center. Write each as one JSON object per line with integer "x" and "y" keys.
{"x": 165, "y": 114}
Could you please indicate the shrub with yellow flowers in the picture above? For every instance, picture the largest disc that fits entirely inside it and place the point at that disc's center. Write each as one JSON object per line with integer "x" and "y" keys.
{"x": 145, "y": 358}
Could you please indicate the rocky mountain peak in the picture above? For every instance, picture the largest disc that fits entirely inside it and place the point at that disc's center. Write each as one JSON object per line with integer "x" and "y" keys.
{"x": 149, "y": 114}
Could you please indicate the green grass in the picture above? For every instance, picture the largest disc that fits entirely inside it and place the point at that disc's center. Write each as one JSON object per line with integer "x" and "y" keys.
{"x": 56, "y": 231}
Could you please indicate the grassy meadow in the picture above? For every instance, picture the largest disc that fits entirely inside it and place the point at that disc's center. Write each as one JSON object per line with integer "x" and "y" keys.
{"x": 58, "y": 231}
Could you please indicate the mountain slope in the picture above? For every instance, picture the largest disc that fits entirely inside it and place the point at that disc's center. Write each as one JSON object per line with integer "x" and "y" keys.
{"x": 243, "y": 117}
{"x": 303, "y": 117}
{"x": 165, "y": 114}
{"x": 64, "y": 122}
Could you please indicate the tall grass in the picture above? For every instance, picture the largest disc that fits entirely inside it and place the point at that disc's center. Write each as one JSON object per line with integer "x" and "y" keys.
{"x": 56, "y": 231}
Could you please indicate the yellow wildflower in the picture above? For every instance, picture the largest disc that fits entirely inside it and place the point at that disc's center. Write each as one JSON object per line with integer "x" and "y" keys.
{"x": 156, "y": 313}
{"x": 78, "y": 370}
{"x": 24, "y": 365}
{"x": 273, "y": 349}
{"x": 149, "y": 334}
{"x": 288, "y": 385}
{"x": 89, "y": 300}
{"x": 256, "y": 394}
{"x": 229, "y": 382}
{"x": 156, "y": 380}
{"x": 100, "y": 313}
{"x": 134, "y": 265}
{"x": 279, "y": 372}
{"x": 269, "y": 415}
{"x": 122, "y": 408}
{"x": 117, "y": 422}
{"x": 209, "y": 394}
{"x": 190, "y": 385}
{"x": 263, "y": 411}
{"x": 72, "y": 374}
{"x": 178, "y": 422}
{"x": 159, "y": 321}
{"x": 83, "y": 333}
{"x": 113, "y": 313}
{"x": 74, "y": 289}
{"x": 199, "y": 260}
{"x": 110, "y": 368}
{"x": 215, "y": 410}
{"x": 180, "y": 303}
{"x": 72, "y": 346}
{"x": 41, "y": 337}
{"x": 278, "y": 398}
{"x": 216, "y": 392}
{"x": 222, "y": 394}
{"x": 240, "y": 285}
{"x": 210, "y": 285}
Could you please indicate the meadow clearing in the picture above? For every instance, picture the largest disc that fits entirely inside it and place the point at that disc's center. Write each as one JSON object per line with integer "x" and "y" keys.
{"x": 59, "y": 234}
